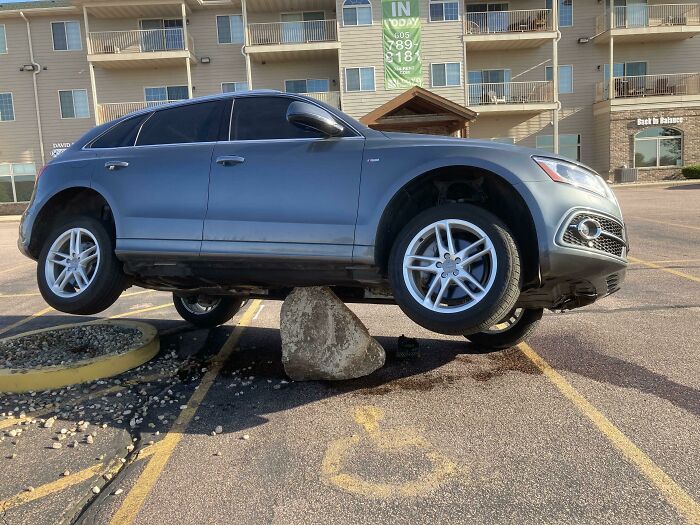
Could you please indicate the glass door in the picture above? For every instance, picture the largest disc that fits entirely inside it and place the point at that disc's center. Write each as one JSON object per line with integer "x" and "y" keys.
{"x": 152, "y": 38}
{"x": 173, "y": 34}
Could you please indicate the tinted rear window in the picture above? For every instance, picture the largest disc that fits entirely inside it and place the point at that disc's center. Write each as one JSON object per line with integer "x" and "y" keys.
{"x": 260, "y": 118}
{"x": 184, "y": 124}
{"x": 121, "y": 135}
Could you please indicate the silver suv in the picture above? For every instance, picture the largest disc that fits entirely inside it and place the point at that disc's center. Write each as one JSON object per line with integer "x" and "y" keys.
{"x": 223, "y": 198}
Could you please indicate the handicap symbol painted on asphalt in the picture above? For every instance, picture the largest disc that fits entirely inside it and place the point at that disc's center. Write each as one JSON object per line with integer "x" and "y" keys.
{"x": 391, "y": 440}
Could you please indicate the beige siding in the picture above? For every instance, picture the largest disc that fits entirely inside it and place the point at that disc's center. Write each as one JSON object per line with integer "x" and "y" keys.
{"x": 273, "y": 75}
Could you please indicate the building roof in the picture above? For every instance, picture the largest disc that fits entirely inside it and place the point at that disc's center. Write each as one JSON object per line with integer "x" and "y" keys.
{"x": 418, "y": 107}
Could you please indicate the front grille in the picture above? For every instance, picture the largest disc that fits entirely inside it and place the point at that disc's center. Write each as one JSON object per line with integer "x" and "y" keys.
{"x": 603, "y": 243}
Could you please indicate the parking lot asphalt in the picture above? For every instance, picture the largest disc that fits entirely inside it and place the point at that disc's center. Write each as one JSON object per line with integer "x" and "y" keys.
{"x": 595, "y": 420}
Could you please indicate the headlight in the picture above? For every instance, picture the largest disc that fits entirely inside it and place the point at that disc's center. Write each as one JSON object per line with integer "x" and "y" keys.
{"x": 569, "y": 173}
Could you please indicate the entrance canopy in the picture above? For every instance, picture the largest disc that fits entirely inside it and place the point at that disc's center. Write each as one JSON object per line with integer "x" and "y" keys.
{"x": 421, "y": 111}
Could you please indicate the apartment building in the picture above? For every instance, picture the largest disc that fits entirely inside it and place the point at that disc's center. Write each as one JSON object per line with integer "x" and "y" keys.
{"x": 617, "y": 81}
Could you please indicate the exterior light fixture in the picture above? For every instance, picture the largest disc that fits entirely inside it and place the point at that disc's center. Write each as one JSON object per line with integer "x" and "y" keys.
{"x": 205, "y": 60}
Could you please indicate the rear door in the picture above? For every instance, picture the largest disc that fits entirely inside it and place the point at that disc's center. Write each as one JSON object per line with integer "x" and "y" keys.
{"x": 279, "y": 190}
{"x": 159, "y": 186}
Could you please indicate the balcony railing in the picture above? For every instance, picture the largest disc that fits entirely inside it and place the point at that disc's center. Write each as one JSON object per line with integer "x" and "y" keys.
{"x": 332, "y": 98}
{"x": 650, "y": 86}
{"x": 494, "y": 93}
{"x": 520, "y": 21}
{"x": 138, "y": 41}
{"x": 659, "y": 15}
{"x": 293, "y": 32}
{"x": 111, "y": 111}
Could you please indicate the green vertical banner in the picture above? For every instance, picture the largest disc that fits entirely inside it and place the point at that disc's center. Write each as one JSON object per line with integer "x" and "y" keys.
{"x": 403, "y": 67}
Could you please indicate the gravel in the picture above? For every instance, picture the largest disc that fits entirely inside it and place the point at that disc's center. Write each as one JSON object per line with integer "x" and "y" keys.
{"x": 67, "y": 345}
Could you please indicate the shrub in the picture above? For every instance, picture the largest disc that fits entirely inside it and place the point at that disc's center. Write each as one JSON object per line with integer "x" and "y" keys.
{"x": 691, "y": 172}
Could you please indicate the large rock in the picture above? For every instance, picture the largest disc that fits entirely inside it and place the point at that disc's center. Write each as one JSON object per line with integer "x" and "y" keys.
{"x": 323, "y": 339}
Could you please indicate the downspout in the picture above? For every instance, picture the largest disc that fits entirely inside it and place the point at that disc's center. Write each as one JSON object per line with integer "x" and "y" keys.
{"x": 246, "y": 43}
{"x": 37, "y": 70}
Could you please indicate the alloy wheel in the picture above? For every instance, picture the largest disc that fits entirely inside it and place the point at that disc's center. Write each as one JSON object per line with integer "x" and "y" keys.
{"x": 72, "y": 262}
{"x": 200, "y": 305}
{"x": 450, "y": 266}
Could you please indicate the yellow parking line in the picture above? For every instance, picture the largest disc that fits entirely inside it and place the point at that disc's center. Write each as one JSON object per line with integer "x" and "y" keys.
{"x": 674, "y": 494}
{"x": 672, "y": 224}
{"x": 129, "y": 509}
{"x": 667, "y": 270}
{"x": 673, "y": 261}
{"x": 50, "y": 488}
{"x": 18, "y": 267}
{"x": 49, "y": 309}
{"x": 26, "y": 320}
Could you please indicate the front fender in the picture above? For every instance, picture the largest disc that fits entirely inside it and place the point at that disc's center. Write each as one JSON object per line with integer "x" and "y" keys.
{"x": 387, "y": 170}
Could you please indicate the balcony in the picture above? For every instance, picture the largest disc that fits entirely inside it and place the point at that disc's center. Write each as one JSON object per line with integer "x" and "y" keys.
{"x": 655, "y": 91}
{"x": 332, "y": 98}
{"x": 512, "y": 97}
{"x": 112, "y": 111}
{"x": 508, "y": 29}
{"x": 139, "y": 48}
{"x": 292, "y": 40}
{"x": 648, "y": 23}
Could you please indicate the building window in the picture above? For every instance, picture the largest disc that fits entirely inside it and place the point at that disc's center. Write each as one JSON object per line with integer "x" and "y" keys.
{"x": 74, "y": 103}
{"x": 233, "y": 87}
{"x": 66, "y": 36}
{"x": 7, "y": 108}
{"x": 569, "y": 145}
{"x": 229, "y": 29}
{"x": 357, "y": 13}
{"x": 359, "y": 79}
{"x": 566, "y": 78}
{"x": 3, "y": 39}
{"x": 310, "y": 85}
{"x": 566, "y": 12}
{"x": 657, "y": 147}
{"x": 448, "y": 74}
{"x": 17, "y": 181}
{"x": 166, "y": 93}
{"x": 443, "y": 10}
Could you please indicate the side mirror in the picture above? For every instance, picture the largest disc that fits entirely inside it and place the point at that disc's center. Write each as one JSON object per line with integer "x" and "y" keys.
{"x": 309, "y": 116}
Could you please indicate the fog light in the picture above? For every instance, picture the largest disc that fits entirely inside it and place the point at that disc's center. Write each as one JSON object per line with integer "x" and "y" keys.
{"x": 589, "y": 229}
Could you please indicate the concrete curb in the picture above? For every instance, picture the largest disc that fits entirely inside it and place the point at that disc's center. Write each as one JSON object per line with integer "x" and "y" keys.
{"x": 10, "y": 218}
{"x": 657, "y": 183}
{"x": 50, "y": 377}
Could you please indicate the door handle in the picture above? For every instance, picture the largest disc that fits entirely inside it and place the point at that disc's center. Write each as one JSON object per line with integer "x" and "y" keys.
{"x": 112, "y": 165}
{"x": 225, "y": 160}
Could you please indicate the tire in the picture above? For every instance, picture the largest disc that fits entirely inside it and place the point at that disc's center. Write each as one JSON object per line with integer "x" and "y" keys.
{"x": 101, "y": 269}
{"x": 463, "y": 308}
{"x": 519, "y": 329}
{"x": 216, "y": 311}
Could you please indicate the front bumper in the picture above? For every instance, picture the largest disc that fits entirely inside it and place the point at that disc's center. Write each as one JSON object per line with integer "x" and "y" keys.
{"x": 575, "y": 272}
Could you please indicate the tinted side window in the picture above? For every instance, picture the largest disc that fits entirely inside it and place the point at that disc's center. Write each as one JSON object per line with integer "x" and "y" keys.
{"x": 183, "y": 124}
{"x": 259, "y": 118}
{"x": 121, "y": 135}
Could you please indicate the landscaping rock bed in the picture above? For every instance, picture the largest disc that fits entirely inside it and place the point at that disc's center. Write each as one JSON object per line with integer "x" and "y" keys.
{"x": 66, "y": 345}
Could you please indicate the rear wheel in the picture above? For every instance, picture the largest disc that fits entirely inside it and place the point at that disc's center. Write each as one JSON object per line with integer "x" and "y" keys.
{"x": 78, "y": 272}
{"x": 207, "y": 311}
{"x": 511, "y": 330}
{"x": 455, "y": 269}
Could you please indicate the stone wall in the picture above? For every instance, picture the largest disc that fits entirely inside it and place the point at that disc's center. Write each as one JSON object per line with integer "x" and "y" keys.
{"x": 623, "y": 127}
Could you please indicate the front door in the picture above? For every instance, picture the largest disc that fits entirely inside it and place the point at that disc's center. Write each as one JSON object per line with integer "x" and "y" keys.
{"x": 278, "y": 190}
{"x": 159, "y": 187}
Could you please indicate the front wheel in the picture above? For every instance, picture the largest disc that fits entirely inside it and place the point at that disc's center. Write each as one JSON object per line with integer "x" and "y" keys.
{"x": 206, "y": 311}
{"x": 511, "y": 330}
{"x": 78, "y": 272}
{"x": 455, "y": 269}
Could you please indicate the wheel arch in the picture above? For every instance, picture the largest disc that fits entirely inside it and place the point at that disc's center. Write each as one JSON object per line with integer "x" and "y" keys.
{"x": 462, "y": 183}
{"x": 78, "y": 200}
